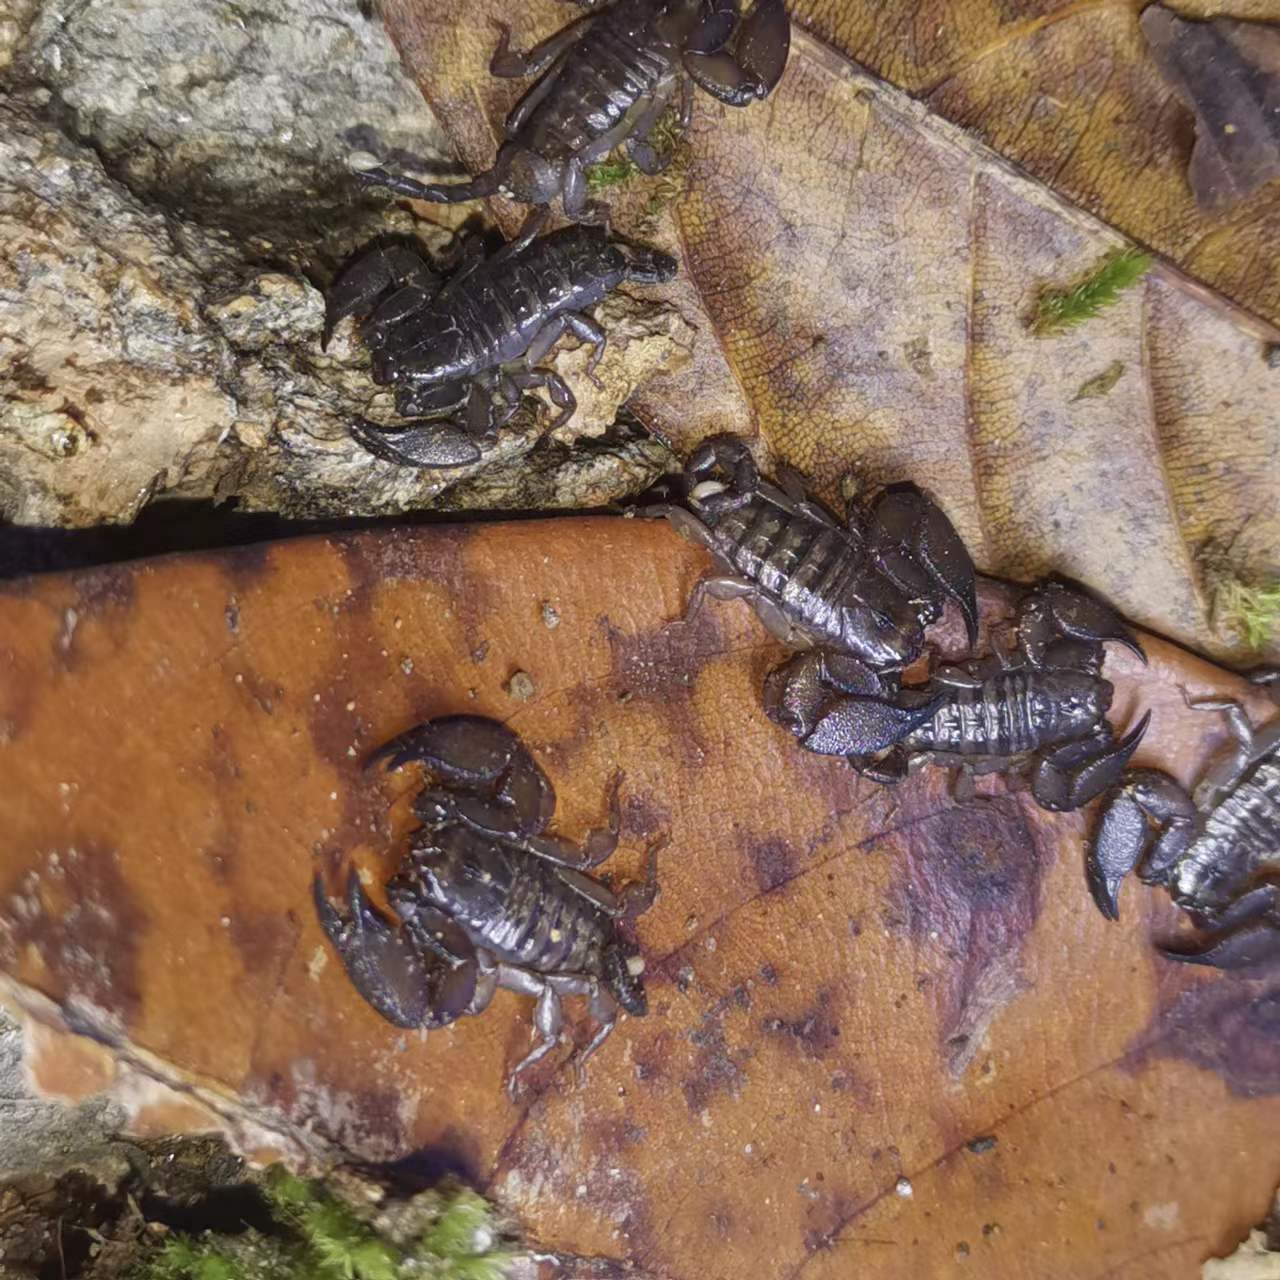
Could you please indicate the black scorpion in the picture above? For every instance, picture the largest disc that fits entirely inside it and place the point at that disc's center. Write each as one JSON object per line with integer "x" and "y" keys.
{"x": 487, "y": 899}
{"x": 1217, "y": 851}
{"x": 868, "y": 587}
{"x": 461, "y": 353}
{"x": 608, "y": 78}
{"x": 1043, "y": 707}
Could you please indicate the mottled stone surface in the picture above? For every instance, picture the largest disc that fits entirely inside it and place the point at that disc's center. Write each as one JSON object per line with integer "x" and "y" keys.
{"x": 173, "y": 188}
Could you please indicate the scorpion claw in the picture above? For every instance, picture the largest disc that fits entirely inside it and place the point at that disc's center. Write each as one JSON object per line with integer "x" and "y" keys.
{"x": 386, "y": 967}
{"x": 1074, "y": 774}
{"x": 1083, "y": 618}
{"x": 922, "y": 527}
{"x": 752, "y": 65}
{"x": 819, "y": 707}
{"x": 430, "y": 444}
{"x": 1115, "y": 852}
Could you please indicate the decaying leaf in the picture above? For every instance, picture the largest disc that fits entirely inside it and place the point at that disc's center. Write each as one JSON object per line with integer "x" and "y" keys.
{"x": 1228, "y": 74}
{"x": 1070, "y": 91}
{"x": 835, "y": 233}
{"x": 851, "y": 988}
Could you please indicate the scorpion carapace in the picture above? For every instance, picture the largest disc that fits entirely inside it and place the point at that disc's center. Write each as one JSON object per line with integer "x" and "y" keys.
{"x": 607, "y": 79}
{"x": 462, "y": 352}
{"x": 1216, "y": 851}
{"x": 487, "y": 898}
{"x": 868, "y": 586}
{"x": 1041, "y": 708}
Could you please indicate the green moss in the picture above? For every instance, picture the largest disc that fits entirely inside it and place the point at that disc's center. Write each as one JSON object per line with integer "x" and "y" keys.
{"x": 1249, "y": 611}
{"x": 612, "y": 171}
{"x": 666, "y": 138}
{"x": 1061, "y": 309}
{"x": 452, "y": 1234}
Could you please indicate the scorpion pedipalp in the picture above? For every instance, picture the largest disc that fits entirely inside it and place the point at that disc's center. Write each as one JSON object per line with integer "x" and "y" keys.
{"x": 408, "y": 984}
{"x": 1077, "y": 772}
{"x": 751, "y": 65}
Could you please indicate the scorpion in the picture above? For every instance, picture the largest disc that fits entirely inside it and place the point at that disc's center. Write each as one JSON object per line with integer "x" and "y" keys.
{"x": 461, "y": 353}
{"x": 867, "y": 587}
{"x": 1042, "y": 707}
{"x": 1216, "y": 851}
{"x": 606, "y": 79}
{"x": 487, "y": 898}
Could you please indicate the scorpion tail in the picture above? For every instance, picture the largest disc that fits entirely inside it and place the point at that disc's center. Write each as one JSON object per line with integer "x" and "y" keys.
{"x": 721, "y": 475}
{"x": 1072, "y": 775}
{"x": 648, "y": 266}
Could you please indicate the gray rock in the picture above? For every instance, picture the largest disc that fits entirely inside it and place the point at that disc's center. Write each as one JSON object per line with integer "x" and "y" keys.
{"x": 229, "y": 107}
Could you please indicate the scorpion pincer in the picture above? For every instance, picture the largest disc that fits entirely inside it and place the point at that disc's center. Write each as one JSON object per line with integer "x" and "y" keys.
{"x": 1217, "y": 851}
{"x": 1042, "y": 708}
{"x": 487, "y": 898}
{"x": 461, "y": 352}
{"x": 868, "y": 586}
{"x": 608, "y": 78}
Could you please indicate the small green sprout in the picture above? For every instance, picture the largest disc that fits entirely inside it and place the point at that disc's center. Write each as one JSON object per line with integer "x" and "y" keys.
{"x": 1062, "y": 309}
{"x": 667, "y": 139}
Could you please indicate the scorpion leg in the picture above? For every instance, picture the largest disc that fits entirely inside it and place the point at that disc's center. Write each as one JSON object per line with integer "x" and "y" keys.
{"x": 484, "y": 184}
{"x": 508, "y": 64}
{"x": 388, "y": 966}
{"x": 1054, "y": 610}
{"x": 1072, "y": 775}
{"x": 598, "y": 844}
{"x": 529, "y": 231}
{"x": 358, "y": 288}
{"x": 582, "y": 328}
{"x": 573, "y": 195}
{"x": 754, "y": 65}
{"x": 642, "y": 153}
{"x": 603, "y": 1008}
{"x": 548, "y": 1016}
{"x": 1248, "y": 933}
{"x": 430, "y": 444}
{"x": 1125, "y": 836}
{"x": 913, "y": 525}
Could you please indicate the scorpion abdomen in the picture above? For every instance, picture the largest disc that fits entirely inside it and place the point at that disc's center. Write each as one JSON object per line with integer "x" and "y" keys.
{"x": 800, "y": 562}
{"x": 996, "y": 718}
{"x": 615, "y": 64}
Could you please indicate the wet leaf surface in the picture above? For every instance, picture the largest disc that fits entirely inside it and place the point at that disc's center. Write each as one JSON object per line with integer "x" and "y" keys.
{"x": 848, "y": 985}
{"x": 861, "y": 274}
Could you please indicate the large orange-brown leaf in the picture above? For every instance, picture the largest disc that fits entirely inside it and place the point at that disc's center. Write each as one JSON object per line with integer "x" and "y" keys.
{"x": 861, "y": 271}
{"x": 849, "y": 986}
